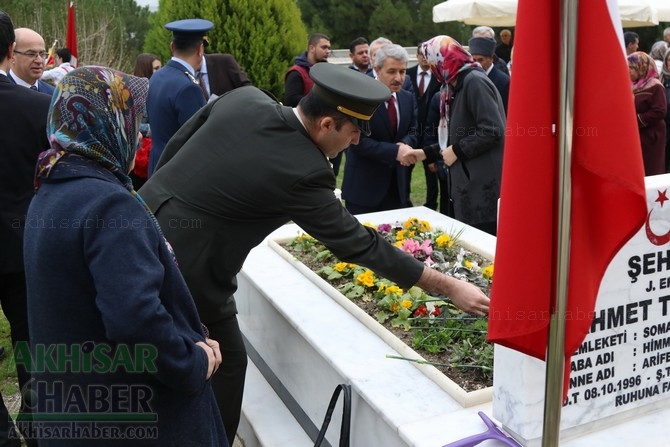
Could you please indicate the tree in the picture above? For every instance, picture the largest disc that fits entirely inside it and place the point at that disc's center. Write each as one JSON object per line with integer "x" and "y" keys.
{"x": 263, "y": 36}
{"x": 405, "y": 22}
{"x": 109, "y": 32}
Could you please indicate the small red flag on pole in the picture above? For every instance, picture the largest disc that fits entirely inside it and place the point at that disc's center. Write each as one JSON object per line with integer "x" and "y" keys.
{"x": 71, "y": 37}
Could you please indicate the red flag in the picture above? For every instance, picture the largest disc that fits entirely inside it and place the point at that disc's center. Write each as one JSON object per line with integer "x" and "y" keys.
{"x": 608, "y": 195}
{"x": 71, "y": 37}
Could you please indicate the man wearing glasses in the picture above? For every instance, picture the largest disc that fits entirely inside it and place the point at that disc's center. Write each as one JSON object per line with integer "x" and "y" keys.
{"x": 28, "y": 63}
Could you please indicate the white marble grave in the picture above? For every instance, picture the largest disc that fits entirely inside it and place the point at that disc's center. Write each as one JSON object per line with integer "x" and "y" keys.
{"x": 303, "y": 343}
{"x": 622, "y": 370}
{"x": 307, "y": 342}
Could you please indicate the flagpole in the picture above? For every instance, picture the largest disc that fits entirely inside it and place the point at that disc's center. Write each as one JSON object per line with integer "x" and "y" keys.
{"x": 553, "y": 391}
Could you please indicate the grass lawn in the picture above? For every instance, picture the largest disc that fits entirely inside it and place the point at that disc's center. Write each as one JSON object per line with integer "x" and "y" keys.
{"x": 417, "y": 189}
{"x": 8, "y": 383}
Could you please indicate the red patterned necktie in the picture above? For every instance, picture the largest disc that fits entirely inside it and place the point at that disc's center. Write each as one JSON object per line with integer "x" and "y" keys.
{"x": 393, "y": 115}
{"x": 422, "y": 84}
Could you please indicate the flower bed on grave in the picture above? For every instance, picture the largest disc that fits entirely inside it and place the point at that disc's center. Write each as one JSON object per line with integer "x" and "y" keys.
{"x": 447, "y": 338}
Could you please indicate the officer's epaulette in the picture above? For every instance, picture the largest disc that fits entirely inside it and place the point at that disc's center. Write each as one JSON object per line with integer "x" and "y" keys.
{"x": 188, "y": 73}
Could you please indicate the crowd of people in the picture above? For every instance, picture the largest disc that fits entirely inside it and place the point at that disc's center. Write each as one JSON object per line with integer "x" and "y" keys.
{"x": 102, "y": 169}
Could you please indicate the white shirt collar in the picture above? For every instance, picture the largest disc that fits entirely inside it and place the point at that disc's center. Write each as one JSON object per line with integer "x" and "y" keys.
{"x": 20, "y": 81}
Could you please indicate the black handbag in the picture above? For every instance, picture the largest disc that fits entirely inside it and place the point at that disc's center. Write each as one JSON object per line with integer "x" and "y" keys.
{"x": 346, "y": 416}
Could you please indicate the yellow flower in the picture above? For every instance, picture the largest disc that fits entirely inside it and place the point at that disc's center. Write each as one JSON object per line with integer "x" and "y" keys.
{"x": 443, "y": 241}
{"x": 424, "y": 226}
{"x": 400, "y": 235}
{"x": 367, "y": 278}
{"x": 406, "y": 304}
{"x": 487, "y": 272}
{"x": 394, "y": 307}
{"x": 410, "y": 222}
{"x": 393, "y": 289}
{"x": 467, "y": 264}
{"x": 398, "y": 244}
{"x": 412, "y": 233}
{"x": 340, "y": 266}
{"x": 371, "y": 225}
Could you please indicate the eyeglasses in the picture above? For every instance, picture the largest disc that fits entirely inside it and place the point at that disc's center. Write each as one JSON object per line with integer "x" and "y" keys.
{"x": 33, "y": 54}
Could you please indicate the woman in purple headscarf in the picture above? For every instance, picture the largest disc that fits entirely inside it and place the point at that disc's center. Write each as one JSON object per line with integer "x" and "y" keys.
{"x": 120, "y": 356}
{"x": 470, "y": 131}
{"x": 650, "y": 107}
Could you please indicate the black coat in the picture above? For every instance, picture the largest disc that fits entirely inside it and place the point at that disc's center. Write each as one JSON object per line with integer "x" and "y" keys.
{"x": 477, "y": 134}
{"x": 422, "y": 102}
{"x": 501, "y": 81}
{"x": 23, "y": 117}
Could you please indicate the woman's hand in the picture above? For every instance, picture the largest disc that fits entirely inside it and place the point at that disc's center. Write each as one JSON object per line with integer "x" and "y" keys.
{"x": 449, "y": 156}
{"x": 211, "y": 348}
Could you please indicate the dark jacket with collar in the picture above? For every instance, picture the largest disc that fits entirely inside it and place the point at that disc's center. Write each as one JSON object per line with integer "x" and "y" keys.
{"x": 501, "y": 81}
{"x": 124, "y": 289}
{"x": 174, "y": 96}
{"x": 23, "y": 135}
{"x": 42, "y": 87}
{"x": 214, "y": 211}
{"x": 371, "y": 167}
{"x": 423, "y": 102}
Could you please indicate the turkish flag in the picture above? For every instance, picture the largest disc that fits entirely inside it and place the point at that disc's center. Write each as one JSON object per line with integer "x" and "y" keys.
{"x": 608, "y": 197}
{"x": 71, "y": 36}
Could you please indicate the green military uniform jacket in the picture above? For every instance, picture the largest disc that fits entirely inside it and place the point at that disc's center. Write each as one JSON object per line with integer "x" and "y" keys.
{"x": 241, "y": 167}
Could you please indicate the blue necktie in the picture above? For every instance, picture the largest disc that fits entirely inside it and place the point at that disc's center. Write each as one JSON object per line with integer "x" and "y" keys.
{"x": 32, "y": 87}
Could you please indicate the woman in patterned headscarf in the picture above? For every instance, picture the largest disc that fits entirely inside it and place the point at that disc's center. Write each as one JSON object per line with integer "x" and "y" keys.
{"x": 650, "y": 107}
{"x": 110, "y": 314}
{"x": 470, "y": 133}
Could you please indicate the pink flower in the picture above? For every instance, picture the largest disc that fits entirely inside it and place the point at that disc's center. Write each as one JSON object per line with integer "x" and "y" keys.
{"x": 384, "y": 228}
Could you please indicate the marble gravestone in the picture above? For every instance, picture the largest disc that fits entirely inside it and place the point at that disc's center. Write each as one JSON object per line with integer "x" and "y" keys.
{"x": 622, "y": 369}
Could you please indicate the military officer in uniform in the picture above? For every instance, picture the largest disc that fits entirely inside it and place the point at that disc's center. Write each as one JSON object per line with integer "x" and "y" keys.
{"x": 236, "y": 183}
{"x": 174, "y": 91}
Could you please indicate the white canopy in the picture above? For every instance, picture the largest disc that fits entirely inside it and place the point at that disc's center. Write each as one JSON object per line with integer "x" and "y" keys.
{"x": 503, "y": 12}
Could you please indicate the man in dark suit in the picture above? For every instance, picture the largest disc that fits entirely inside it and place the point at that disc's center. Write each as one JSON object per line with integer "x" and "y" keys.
{"x": 203, "y": 178}
{"x": 424, "y": 86}
{"x": 175, "y": 93}
{"x": 482, "y": 50}
{"x": 23, "y": 117}
{"x": 376, "y": 176}
{"x": 220, "y": 73}
{"x": 28, "y": 65}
